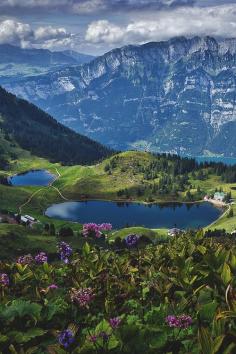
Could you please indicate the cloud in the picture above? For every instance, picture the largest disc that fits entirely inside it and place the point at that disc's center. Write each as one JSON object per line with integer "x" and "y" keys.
{"x": 104, "y": 32}
{"x": 49, "y": 32}
{"x": 162, "y": 25}
{"x": 15, "y": 33}
{"x": 21, "y": 34}
{"x": 88, "y": 6}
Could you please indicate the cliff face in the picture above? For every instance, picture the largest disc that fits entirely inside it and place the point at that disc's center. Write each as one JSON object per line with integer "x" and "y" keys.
{"x": 176, "y": 96}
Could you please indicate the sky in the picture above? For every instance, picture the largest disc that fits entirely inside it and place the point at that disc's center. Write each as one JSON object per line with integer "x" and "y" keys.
{"x": 97, "y": 26}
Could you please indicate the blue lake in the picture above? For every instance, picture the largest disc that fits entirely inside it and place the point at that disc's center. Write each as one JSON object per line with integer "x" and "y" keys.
{"x": 133, "y": 214}
{"x": 226, "y": 160}
{"x": 32, "y": 178}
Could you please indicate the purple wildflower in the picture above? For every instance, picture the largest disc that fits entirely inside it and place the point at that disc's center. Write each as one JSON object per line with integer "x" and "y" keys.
{"x": 41, "y": 258}
{"x": 92, "y": 229}
{"x": 52, "y": 287}
{"x": 172, "y": 321}
{"x": 93, "y": 338}
{"x": 114, "y": 322}
{"x": 182, "y": 321}
{"x": 185, "y": 321}
{"x": 105, "y": 336}
{"x": 66, "y": 338}
{"x": 4, "y": 280}
{"x": 131, "y": 240}
{"x": 81, "y": 296}
{"x": 26, "y": 259}
{"x": 65, "y": 251}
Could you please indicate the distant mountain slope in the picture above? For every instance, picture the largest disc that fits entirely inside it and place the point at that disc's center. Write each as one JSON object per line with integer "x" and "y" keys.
{"x": 16, "y": 61}
{"x": 41, "y": 57}
{"x": 177, "y": 96}
{"x": 32, "y": 129}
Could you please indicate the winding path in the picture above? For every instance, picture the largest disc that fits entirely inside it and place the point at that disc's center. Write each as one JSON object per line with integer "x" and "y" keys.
{"x": 39, "y": 190}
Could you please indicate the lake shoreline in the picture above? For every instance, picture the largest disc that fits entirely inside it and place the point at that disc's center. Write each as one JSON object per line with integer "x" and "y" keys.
{"x": 165, "y": 215}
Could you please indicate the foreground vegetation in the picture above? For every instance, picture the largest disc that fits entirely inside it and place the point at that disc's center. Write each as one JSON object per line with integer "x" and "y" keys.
{"x": 178, "y": 297}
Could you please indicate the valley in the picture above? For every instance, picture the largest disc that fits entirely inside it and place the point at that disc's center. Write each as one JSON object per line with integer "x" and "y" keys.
{"x": 126, "y": 172}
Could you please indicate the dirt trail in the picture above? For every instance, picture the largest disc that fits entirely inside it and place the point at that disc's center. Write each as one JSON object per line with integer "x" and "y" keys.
{"x": 44, "y": 188}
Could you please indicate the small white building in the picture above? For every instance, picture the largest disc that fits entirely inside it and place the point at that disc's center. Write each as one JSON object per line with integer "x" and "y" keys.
{"x": 30, "y": 218}
{"x": 219, "y": 196}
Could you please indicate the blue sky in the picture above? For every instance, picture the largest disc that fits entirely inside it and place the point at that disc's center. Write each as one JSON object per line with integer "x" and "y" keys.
{"x": 96, "y": 26}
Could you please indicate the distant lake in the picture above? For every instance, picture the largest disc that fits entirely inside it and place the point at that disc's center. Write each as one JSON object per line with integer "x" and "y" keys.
{"x": 32, "y": 178}
{"x": 120, "y": 215}
{"x": 225, "y": 160}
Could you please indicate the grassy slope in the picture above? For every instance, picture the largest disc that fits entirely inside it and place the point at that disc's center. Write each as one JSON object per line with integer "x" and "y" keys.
{"x": 90, "y": 181}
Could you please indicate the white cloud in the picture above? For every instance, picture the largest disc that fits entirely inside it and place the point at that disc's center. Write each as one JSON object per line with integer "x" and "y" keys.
{"x": 49, "y": 32}
{"x": 104, "y": 32}
{"x": 15, "y": 32}
{"x": 90, "y": 6}
{"x": 162, "y": 25}
{"x": 22, "y": 34}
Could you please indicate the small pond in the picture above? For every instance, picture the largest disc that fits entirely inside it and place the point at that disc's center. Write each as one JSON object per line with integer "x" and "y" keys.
{"x": 134, "y": 214}
{"x": 32, "y": 178}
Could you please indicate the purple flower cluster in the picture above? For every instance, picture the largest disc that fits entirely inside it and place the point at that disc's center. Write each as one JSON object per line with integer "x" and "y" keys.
{"x": 66, "y": 338}
{"x": 131, "y": 240}
{"x": 26, "y": 259}
{"x": 65, "y": 251}
{"x": 115, "y": 322}
{"x": 182, "y": 321}
{"x": 4, "y": 280}
{"x": 81, "y": 296}
{"x": 52, "y": 287}
{"x": 41, "y": 258}
{"x": 92, "y": 229}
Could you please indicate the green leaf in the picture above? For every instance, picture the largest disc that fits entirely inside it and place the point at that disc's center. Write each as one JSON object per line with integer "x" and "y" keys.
{"x": 24, "y": 337}
{"x": 113, "y": 343}
{"x": 86, "y": 249}
{"x": 205, "y": 340}
{"x": 217, "y": 344}
{"x": 3, "y": 338}
{"x": 226, "y": 275}
{"x": 21, "y": 308}
{"x": 158, "y": 341}
{"x": 207, "y": 312}
{"x": 103, "y": 326}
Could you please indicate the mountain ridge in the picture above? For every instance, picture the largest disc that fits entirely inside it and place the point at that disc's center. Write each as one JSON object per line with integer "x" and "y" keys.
{"x": 24, "y": 126}
{"x": 173, "y": 96}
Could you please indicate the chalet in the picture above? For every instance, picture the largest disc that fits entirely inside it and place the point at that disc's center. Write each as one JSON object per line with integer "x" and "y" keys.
{"x": 219, "y": 196}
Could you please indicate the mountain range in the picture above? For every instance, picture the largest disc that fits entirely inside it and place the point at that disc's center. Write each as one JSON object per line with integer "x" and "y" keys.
{"x": 176, "y": 96}
{"x": 16, "y": 61}
{"x": 26, "y": 128}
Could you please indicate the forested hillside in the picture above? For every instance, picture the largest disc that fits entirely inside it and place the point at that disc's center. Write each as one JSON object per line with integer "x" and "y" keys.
{"x": 23, "y": 124}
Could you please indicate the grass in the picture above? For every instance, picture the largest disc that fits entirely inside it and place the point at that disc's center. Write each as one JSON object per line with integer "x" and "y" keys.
{"x": 152, "y": 234}
{"x": 17, "y": 240}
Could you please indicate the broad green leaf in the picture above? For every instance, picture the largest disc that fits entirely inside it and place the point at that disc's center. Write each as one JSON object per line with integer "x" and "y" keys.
{"x": 226, "y": 275}
{"x": 24, "y": 337}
